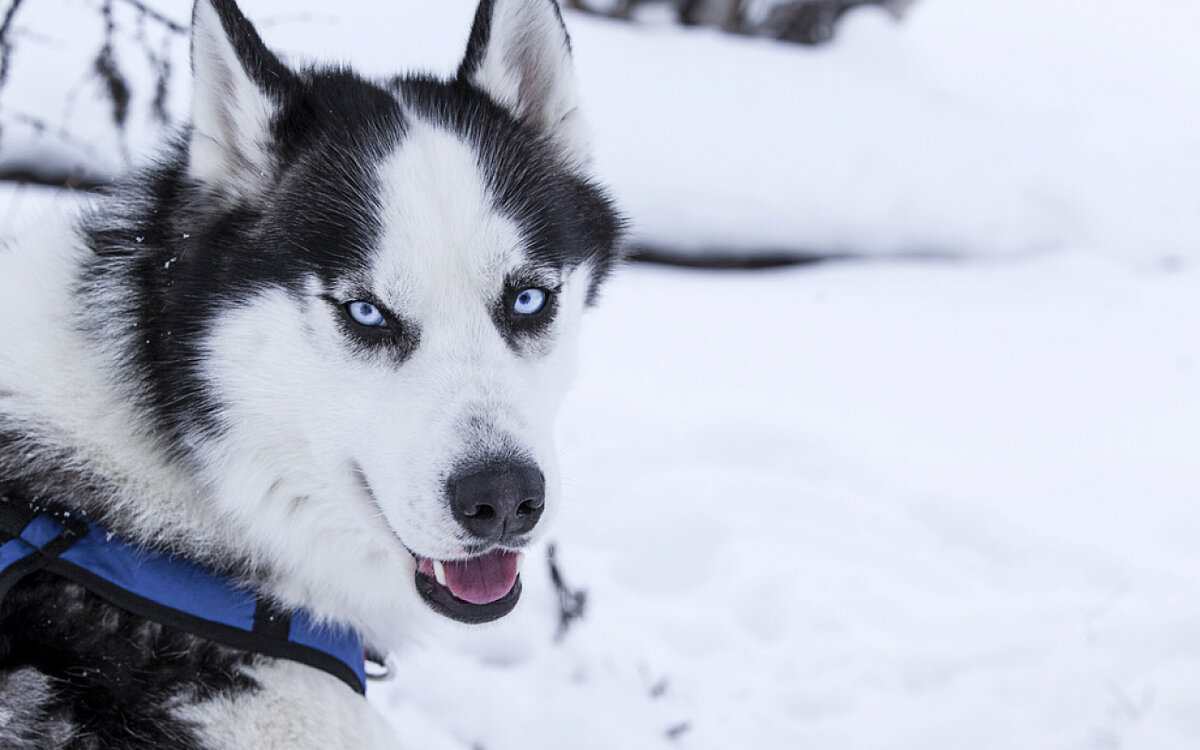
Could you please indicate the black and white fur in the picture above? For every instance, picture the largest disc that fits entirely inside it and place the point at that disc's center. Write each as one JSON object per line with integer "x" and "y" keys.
{"x": 181, "y": 365}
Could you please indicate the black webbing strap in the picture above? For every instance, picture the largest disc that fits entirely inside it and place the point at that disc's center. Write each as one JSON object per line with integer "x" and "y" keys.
{"x": 271, "y": 621}
{"x": 15, "y": 518}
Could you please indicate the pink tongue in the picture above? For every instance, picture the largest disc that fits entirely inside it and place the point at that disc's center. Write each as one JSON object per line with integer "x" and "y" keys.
{"x": 480, "y": 580}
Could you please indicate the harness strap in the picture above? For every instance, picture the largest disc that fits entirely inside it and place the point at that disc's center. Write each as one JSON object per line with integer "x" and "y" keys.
{"x": 30, "y": 539}
{"x": 170, "y": 590}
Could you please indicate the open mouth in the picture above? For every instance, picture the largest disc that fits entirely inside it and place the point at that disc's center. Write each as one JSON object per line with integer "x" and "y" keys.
{"x": 476, "y": 590}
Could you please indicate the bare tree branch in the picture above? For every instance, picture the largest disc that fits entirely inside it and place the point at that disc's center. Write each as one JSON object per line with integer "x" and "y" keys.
{"x": 571, "y": 602}
{"x": 152, "y": 13}
{"x": 5, "y": 44}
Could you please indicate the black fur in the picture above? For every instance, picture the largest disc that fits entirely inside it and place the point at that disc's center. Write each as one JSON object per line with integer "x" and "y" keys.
{"x": 481, "y": 31}
{"x": 108, "y": 679}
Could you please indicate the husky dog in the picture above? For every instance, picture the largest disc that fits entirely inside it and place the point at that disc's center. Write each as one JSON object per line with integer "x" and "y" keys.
{"x": 316, "y": 351}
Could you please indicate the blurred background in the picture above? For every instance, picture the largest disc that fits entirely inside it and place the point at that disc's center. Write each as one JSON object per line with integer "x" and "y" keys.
{"x": 889, "y": 437}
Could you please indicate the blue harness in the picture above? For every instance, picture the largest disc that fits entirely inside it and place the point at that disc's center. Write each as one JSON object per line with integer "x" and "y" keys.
{"x": 169, "y": 590}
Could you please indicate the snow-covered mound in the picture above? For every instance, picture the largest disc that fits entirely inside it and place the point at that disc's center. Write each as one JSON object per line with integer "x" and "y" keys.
{"x": 976, "y": 127}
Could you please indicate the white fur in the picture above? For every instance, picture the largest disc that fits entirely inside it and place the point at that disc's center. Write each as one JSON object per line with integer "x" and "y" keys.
{"x": 299, "y": 708}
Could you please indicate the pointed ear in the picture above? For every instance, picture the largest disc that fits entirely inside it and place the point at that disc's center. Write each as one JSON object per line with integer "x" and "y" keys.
{"x": 238, "y": 86}
{"x": 519, "y": 55}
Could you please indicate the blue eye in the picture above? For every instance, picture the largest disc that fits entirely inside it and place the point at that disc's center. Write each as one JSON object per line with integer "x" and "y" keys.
{"x": 365, "y": 314}
{"x": 529, "y": 302}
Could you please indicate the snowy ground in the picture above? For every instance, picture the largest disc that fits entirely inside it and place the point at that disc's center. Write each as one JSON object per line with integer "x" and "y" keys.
{"x": 877, "y": 505}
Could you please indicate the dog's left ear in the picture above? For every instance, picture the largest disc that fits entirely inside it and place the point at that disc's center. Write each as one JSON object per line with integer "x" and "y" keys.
{"x": 519, "y": 54}
{"x": 238, "y": 88}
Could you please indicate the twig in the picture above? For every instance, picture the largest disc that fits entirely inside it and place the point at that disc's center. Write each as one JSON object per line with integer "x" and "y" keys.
{"x": 110, "y": 74}
{"x": 571, "y": 602}
{"x": 151, "y": 13}
{"x": 5, "y": 45}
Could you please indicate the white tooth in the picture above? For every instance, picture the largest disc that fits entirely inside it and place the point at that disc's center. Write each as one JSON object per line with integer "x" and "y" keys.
{"x": 520, "y": 560}
{"x": 439, "y": 572}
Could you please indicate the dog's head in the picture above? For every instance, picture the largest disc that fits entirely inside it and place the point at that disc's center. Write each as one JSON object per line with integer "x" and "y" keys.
{"x": 366, "y": 320}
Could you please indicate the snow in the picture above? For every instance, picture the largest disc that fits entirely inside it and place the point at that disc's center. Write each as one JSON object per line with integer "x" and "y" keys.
{"x": 878, "y": 504}
{"x": 974, "y": 128}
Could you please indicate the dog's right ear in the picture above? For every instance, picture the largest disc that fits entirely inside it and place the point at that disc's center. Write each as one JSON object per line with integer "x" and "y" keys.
{"x": 519, "y": 54}
{"x": 237, "y": 88}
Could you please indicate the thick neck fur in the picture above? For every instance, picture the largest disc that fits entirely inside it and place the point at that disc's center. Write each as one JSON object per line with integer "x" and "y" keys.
{"x": 74, "y": 428}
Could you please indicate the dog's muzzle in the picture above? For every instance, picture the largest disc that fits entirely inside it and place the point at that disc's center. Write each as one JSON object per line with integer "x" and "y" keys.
{"x": 497, "y": 503}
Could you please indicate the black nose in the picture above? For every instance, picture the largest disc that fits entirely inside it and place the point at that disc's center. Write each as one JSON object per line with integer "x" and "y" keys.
{"x": 498, "y": 503}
